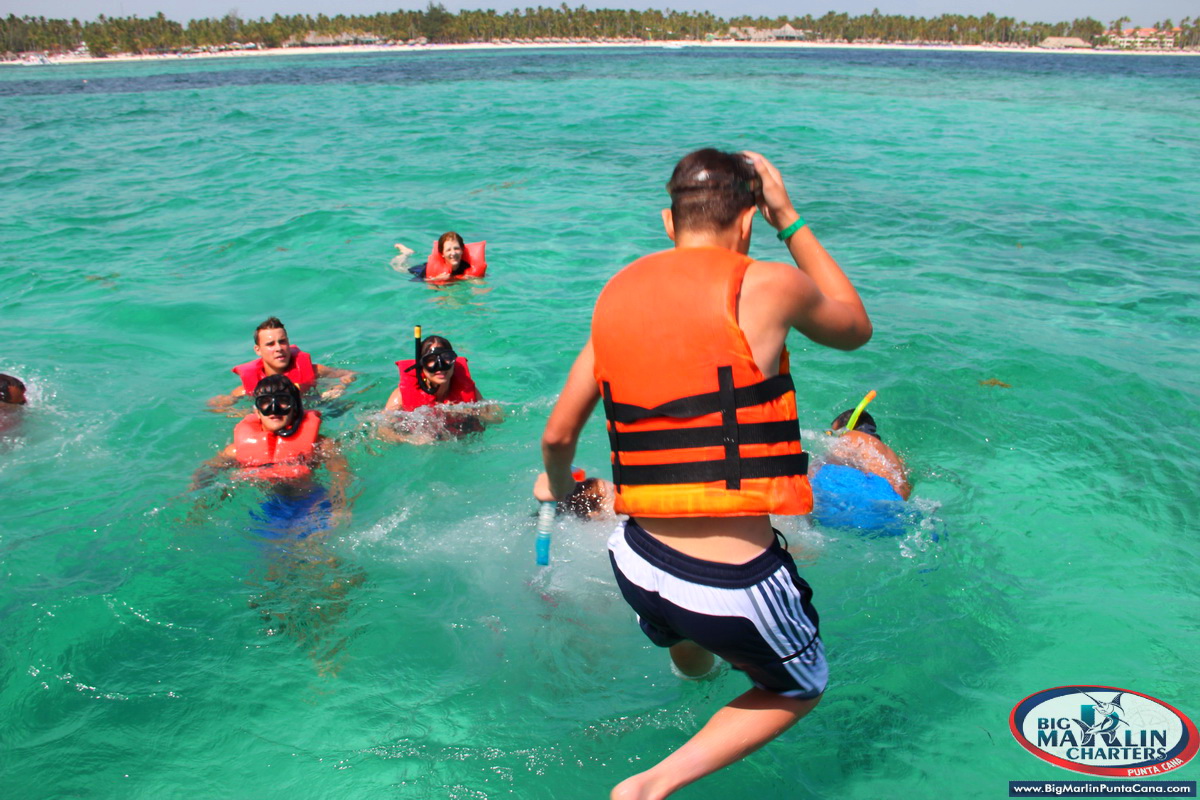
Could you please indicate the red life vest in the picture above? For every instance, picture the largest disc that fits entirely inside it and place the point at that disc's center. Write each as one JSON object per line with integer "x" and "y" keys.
{"x": 301, "y": 372}
{"x": 462, "y": 388}
{"x": 695, "y": 428}
{"x": 436, "y": 268}
{"x": 267, "y": 456}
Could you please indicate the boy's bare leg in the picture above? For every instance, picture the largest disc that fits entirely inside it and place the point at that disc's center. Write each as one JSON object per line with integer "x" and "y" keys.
{"x": 738, "y": 729}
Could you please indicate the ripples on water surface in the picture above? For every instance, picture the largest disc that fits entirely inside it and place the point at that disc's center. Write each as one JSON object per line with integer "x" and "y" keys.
{"x": 1023, "y": 218}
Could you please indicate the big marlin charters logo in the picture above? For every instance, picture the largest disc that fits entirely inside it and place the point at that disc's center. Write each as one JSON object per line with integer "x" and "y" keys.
{"x": 1102, "y": 730}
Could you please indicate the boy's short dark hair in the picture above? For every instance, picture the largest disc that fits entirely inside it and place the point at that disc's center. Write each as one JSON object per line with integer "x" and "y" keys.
{"x": 709, "y": 188}
{"x": 269, "y": 324}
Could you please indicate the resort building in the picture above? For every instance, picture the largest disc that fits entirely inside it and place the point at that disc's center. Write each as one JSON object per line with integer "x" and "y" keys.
{"x": 1143, "y": 38}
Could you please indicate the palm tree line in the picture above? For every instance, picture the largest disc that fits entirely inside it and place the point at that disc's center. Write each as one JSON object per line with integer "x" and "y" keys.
{"x": 157, "y": 34}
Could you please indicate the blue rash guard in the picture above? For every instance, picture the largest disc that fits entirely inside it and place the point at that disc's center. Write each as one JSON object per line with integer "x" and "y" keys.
{"x": 844, "y": 497}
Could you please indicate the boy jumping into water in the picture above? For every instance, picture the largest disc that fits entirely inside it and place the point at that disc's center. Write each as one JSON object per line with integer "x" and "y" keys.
{"x": 687, "y": 352}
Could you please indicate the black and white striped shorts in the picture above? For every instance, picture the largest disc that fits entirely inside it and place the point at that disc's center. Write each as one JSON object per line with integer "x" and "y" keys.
{"x": 758, "y": 616}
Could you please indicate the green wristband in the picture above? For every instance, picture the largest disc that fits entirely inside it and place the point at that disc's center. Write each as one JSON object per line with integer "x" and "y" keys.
{"x": 787, "y": 232}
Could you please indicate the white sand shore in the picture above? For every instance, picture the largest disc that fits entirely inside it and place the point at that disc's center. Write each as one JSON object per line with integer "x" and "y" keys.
{"x": 669, "y": 45}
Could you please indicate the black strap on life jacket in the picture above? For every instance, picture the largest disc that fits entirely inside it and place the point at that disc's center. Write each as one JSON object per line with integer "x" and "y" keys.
{"x": 730, "y": 434}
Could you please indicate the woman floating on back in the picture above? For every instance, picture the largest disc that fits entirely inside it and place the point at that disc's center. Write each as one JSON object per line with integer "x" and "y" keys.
{"x": 451, "y": 259}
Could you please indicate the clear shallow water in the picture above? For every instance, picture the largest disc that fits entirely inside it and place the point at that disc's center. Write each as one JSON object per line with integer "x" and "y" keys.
{"x": 1018, "y": 217}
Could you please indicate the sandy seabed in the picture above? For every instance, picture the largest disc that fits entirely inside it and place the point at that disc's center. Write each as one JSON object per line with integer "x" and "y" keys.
{"x": 668, "y": 45}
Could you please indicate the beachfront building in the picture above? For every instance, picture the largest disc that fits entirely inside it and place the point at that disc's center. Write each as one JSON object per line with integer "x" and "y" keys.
{"x": 784, "y": 34}
{"x": 1064, "y": 43}
{"x": 1143, "y": 38}
{"x": 314, "y": 39}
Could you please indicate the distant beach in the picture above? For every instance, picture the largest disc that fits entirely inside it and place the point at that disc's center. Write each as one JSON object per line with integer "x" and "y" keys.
{"x": 660, "y": 44}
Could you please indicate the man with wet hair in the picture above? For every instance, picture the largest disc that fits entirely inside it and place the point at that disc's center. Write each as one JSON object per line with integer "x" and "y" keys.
{"x": 277, "y": 356}
{"x": 687, "y": 352}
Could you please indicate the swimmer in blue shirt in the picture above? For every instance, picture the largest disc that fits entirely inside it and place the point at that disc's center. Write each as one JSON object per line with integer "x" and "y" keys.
{"x": 862, "y": 482}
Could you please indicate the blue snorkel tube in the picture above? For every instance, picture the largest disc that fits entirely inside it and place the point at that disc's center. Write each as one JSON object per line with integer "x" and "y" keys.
{"x": 545, "y": 524}
{"x": 547, "y": 511}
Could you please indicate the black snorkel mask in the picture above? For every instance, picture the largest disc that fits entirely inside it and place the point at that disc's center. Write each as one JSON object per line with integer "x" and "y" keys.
{"x": 441, "y": 358}
{"x": 284, "y": 401}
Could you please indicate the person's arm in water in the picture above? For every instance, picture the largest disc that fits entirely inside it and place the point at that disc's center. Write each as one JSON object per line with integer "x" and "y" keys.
{"x": 575, "y": 404}
{"x": 386, "y": 428}
{"x": 346, "y": 377}
{"x": 223, "y": 403}
{"x": 214, "y": 466}
{"x": 488, "y": 413}
{"x": 329, "y": 455}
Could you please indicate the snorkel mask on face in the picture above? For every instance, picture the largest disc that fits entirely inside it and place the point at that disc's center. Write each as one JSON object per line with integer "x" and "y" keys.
{"x": 432, "y": 354}
{"x": 274, "y": 405}
{"x": 439, "y": 360}
{"x": 277, "y": 396}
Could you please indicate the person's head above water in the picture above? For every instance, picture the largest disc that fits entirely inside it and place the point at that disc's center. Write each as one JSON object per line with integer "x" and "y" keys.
{"x": 865, "y": 424}
{"x": 437, "y": 363}
{"x": 278, "y": 405}
{"x": 453, "y": 249}
{"x": 710, "y": 189}
{"x": 587, "y": 500}
{"x": 12, "y": 390}
{"x": 271, "y": 344}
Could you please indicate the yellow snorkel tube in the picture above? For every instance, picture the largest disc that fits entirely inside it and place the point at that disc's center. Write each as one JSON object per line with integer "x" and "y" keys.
{"x": 850, "y": 423}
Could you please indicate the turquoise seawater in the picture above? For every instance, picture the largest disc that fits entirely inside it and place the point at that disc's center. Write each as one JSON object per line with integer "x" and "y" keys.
{"x": 1017, "y": 219}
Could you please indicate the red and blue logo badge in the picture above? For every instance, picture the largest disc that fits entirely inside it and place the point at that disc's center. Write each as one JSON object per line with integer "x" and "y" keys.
{"x": 1102, "y": 730}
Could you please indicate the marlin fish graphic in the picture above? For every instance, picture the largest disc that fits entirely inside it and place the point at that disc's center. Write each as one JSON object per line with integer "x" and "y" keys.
{"x": 1109, "y": 716}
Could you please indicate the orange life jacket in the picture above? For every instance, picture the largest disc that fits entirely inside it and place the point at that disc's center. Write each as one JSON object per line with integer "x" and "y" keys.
{"x": 268, "y": 456}
{"x": 436, "y": 268}
{"x": 301, "y": 372}
{"x": 695, "y": 428}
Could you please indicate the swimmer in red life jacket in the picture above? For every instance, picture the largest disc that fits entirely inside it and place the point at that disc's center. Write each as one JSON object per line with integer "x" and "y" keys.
{"x": 441, "y": 382}
{"x": 277, "y": 356}
{"x": 280, "y": 443}
{"x": 452, "y": 259}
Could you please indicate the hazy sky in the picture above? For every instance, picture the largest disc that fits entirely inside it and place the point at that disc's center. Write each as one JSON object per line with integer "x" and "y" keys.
{"x": 1142, "y": 12}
